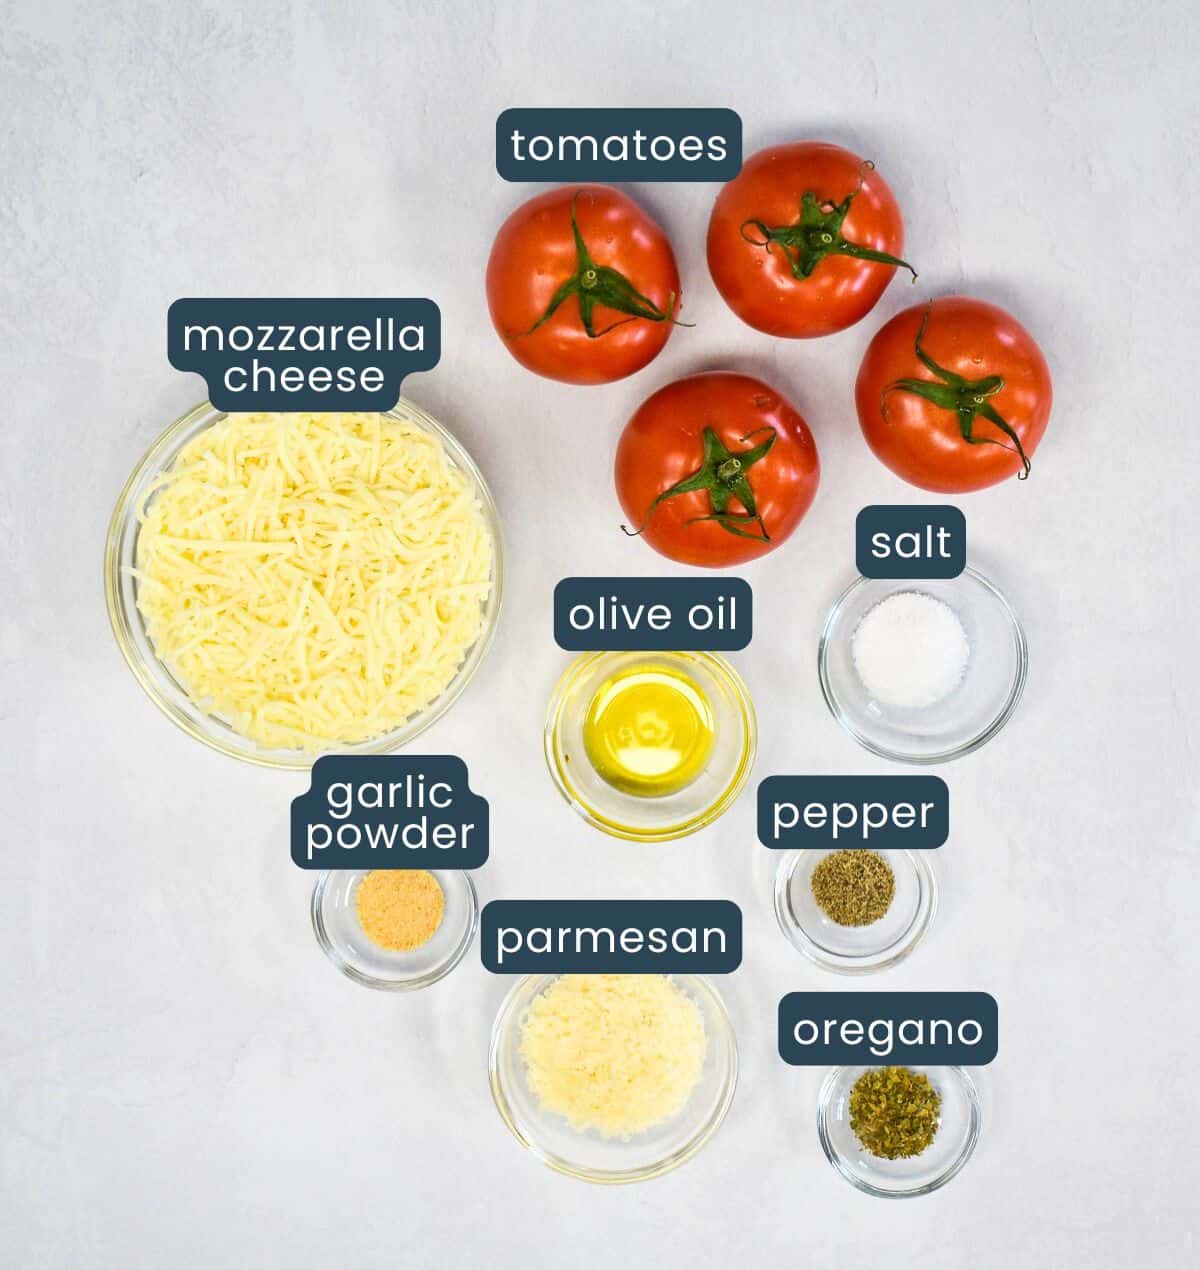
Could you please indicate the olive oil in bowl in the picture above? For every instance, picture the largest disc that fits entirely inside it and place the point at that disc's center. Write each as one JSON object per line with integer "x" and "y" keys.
{"x": 649, "y": 731}
{"x": 650, "y": 746}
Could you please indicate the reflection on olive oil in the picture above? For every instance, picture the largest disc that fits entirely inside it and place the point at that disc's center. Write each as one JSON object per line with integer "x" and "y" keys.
{"x": 649, "y": 731}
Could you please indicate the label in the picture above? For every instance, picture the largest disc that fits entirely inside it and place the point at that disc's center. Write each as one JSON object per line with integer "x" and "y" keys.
{"x": 818, "y": 1029}
{"x": 670, "y": 144}
{"x": 910, "y": 542}
{"x": 384, "y": 811}
{"x": 610, "y": 936}
{"x": 303, "y": 354}
{"x": 798, "y": 812}
{"x": 653, "y": 614}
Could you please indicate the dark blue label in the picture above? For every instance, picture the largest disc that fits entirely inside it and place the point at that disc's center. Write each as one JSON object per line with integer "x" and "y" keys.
{"x": 385, "y": 811}
{"x": 910, "y": 542}
{"x": 599, "y": 144}
{"x": 610, "y": 936}
{"x": 817, "y": 1029}
{"x": 853, "y": 811}
{"x": 303, "y": 354}
{"x": 653, "y": 614}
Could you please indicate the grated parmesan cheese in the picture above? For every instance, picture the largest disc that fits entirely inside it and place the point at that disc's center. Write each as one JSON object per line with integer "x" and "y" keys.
{"x": 615, "y": 1053}
{"x": 312, "y": 579}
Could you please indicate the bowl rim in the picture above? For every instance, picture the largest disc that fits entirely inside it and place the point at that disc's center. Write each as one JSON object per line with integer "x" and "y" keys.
{"x": 957, "y": 751}
{"x": 439, "y": 971}
{"x": 843, "y": 964}
{"x": 721, "y": 667}
{"x": 158, "y": 454}
{"x": 505, "y": 1018}
{"x": 974, "y": 1127}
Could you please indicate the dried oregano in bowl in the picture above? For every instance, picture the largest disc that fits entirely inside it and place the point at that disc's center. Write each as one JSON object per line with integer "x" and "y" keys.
{"x": 894, "y": 1112}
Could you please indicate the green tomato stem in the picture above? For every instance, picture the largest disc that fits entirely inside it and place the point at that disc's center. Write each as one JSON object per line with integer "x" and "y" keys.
{"x": 817, "y": 234}
{"x": 967, "y": 398}
{"x": 599, "y": 285}
{"x": 722, "y": 476}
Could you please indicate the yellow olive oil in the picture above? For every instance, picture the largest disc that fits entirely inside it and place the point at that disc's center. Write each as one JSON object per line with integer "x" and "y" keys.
{"x": 649, "y": 731}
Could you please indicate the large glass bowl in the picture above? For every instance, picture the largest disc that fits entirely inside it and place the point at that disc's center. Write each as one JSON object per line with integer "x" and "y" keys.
{"x": 120, "y": 588}
{"x": 587, "y": 1154}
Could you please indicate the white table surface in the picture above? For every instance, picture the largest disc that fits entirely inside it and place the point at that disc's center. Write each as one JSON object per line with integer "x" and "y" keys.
{"x": 184, "y": 1080}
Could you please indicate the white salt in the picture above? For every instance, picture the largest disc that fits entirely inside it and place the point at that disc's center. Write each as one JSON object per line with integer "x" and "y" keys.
{"x": 910, "y": 650}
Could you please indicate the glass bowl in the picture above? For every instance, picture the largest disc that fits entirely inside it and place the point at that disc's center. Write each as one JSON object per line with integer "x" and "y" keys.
{"x": 586, "y": 1154}
{"x": 344, "y": 942}
{"x": 958, "y": 1132}
{"x": 856, "y": 950}
{"x": 655, "y": 819}
{"x": 120, "y": 589}
{"x": 963, "y": 721}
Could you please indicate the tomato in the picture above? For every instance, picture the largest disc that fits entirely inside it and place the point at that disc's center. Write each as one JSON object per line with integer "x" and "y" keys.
{"x": 804, "y": 240}
{"x": 582, "y": 285}
{"x": 716, "y": 469}
{"x": 954, "y": 395}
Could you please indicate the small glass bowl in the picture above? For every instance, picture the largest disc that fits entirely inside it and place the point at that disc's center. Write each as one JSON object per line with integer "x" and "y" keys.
{"x": 971, "y": 715}
{"x": 588, "y": 1155}
{"x": 856, "y": 950}
{"x": 671, "y": 815}
{"x": 345, "y": 943}
{"x": 958, "y": 1132}
{"x": 120, "y": 589}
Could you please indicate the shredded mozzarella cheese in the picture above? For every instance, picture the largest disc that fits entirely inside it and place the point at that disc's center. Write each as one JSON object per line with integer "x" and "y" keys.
{"x": 313, "y": 579}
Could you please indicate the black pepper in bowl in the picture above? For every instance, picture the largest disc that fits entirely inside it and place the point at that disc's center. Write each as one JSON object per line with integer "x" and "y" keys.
{"x": 853, "y": 888}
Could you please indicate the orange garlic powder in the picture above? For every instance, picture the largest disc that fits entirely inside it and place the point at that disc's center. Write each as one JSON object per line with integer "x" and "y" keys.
{"x": 400, "y": 909}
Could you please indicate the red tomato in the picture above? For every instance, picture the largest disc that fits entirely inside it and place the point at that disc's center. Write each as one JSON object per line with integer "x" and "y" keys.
{"x": 716, "y": 469}
{"x": 804, "y": 240}
{"x": 954, "y": 395}
{"x": 582, "y": 285}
